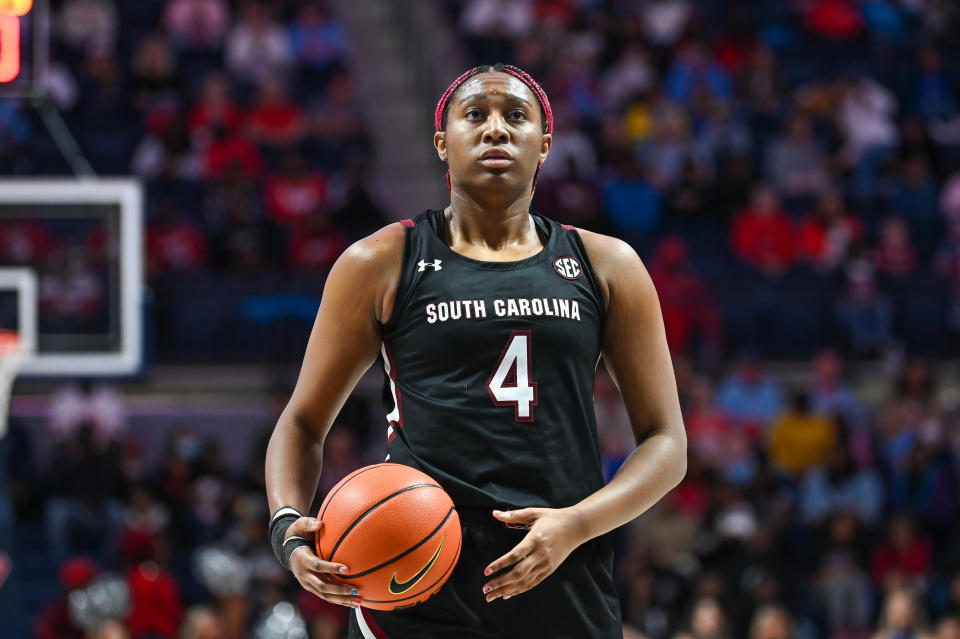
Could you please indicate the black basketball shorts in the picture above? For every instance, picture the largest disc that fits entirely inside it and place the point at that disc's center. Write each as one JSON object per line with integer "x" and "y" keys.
{"x": 577, "y": 601}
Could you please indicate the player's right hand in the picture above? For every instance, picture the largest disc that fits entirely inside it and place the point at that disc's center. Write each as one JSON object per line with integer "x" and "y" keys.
{"x": 313, "y": 573}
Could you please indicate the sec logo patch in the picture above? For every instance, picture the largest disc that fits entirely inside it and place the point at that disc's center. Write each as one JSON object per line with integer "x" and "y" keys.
{"x": 568, "y": 267}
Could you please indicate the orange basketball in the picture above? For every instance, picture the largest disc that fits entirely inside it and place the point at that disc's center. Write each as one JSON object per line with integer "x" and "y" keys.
{"x": 396, "y": 530}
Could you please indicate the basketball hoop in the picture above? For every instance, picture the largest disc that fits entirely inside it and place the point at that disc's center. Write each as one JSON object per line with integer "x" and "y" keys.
{"x": 11, "y": 356}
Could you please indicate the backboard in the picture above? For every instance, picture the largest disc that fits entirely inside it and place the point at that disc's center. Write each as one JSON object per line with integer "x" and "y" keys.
{"x": 71, "y": 274}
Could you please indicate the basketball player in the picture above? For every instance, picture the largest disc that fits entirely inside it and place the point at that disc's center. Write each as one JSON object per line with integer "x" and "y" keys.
{"x": 489, "y": 321}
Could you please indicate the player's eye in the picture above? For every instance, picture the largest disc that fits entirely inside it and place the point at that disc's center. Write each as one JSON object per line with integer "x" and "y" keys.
{"x": 471, "y": 113}
{"x": 518, "y": 114}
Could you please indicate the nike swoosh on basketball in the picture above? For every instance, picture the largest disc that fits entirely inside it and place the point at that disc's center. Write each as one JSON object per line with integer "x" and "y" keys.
{"x": 398, "y": 587}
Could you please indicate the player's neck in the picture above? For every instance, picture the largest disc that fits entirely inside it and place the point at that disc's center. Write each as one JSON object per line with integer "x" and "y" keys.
{"x": 494, "y": 228}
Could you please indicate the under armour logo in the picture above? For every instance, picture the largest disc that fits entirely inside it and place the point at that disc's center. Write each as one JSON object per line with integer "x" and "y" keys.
{"x": 423, "y": 265}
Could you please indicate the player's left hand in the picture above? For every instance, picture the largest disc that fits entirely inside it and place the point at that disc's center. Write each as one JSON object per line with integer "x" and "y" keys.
{"x": 553, "y": 534}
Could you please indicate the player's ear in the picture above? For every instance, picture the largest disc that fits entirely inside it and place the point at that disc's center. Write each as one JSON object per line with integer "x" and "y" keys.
{"x": 440, "y": 143}
{"x": 545, "y": 145}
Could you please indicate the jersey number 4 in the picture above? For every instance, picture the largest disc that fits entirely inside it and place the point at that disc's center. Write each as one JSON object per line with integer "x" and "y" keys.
{"x": 510, "y": 384}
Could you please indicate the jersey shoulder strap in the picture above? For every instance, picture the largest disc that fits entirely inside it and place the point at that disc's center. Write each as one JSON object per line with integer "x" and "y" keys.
{"x": 414, "y": 245}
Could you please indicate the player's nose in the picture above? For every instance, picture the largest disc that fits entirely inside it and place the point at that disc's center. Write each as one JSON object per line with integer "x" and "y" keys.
{"x": 496, "y": 128}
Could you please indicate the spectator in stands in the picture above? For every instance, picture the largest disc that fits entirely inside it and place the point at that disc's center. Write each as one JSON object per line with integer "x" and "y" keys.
{"x": 684, "y": 300}
{"x": 694, "y": 75}
{"x": 202, "y": 622}
{"x": 771, "y": 622}
{"x": 156, "y": 607}
{"x": 337, "y": 120}
{"x": 572, "y": 146}
{"x": 950, "y": 197}
{"x": 631, "y": 203}
{"x": 167, "y": 151}
{"x": 315, "y": 244}
{"x": 863, "y": 317}
{"x": 493, "y": 26}
{"x": 708, "y": 620}
{"x": 840, "y": 487}
{"x": 796, "y": 163}
{"x": 842, "y": 586}
{"x": 71, "y": 293}
{"x": 613, "y": 424}
{"x": 925, "y": 485}
{"x": 293, "y": 193}
{"x": 761, "y": 235}
{"x": 230, "y": 152}
{"x": 824, "y": 238}
{"x": 84, "y": 512}
{"x": 665, "y": 21}
{"x": 933, "y": 86}
{"x": 947, "y": 264}
{"x": 275, "y": 121}
{"x": 55, "y": 621}
{"x": 197, "y": 24}
{"x": 895, "y": 256}
{"x": 84, "y": 24}
{"x": 866, "y": 121}
{"x": 25, "y": 242}
{"x": 240, "y": 241}
{"x": 749, "y": 396}
{"x": 175, "y": 243}
{"x": 257, "y": 48}
{"x": 714, "y": 438}
{"x": 911, "y": 414}
{"x": 16, "y": 131}
{"x": 357, "y": 199}
{"x": 319, "y": 44}
{"x": 571, "y": 197}
{"x": 948, "y": 628}
{"x": 800, "y": 439}
{"x": 916, "y": 200}
{"x": 630, "y": 76}
{"x": 902, "y": 558}
{"x": 154, "y": 82}
{"x": 901, "y": 617}
{"x": 215, "y": 109}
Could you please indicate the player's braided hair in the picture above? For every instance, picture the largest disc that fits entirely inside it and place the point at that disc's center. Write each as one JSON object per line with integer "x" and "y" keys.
{"x": 546, "y": 113}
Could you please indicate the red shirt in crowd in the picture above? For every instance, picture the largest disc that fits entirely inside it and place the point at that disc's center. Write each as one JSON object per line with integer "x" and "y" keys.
{"x": 835, "y": 19}
{"x": 827, "y": 245}
{"x": 763, "y": 239}
{"x": 23, "y": 242}
{"x": 316, "y": 249}
{"x": 177, "y": 246}
{"x": 291, "y": 199}
{"x": 277, "y": 122}
{"x": 155, "y": 607}
{"x": 230, "y": 150}
{"x": 911, "y": 561}
{"x": 684, "y": 300}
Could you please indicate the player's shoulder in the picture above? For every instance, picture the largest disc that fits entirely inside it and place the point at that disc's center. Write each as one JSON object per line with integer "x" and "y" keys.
{"x": 607, "y": 254}
{"x": 616, "y": 265}
{"x": 382, "y": 246}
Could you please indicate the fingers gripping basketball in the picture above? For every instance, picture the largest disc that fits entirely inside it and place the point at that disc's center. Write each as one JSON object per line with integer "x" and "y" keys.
{"x": 397, "y": 531}
{"x": 313, "y": 573}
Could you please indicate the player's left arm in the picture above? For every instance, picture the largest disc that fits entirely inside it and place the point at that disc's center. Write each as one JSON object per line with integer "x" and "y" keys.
{"x": 636, "y": 354}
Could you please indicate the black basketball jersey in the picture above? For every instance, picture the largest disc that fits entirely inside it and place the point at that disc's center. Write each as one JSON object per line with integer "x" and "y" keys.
{"x": 489, "y": 369}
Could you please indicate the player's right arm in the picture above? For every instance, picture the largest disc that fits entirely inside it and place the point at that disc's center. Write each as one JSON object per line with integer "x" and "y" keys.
{"x": 345, "y": 340}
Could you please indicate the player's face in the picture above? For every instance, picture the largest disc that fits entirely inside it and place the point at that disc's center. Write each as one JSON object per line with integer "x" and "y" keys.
{"x": 494, "y": 135}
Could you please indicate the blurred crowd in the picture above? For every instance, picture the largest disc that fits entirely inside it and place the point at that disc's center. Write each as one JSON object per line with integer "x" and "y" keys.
{"x": 820, "y": 506}
{"x": 241, "y": 120}
{"x": 789, "y": 168}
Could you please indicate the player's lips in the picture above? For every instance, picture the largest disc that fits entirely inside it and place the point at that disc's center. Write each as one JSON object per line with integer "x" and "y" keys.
{"x": 495, "y": 157}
